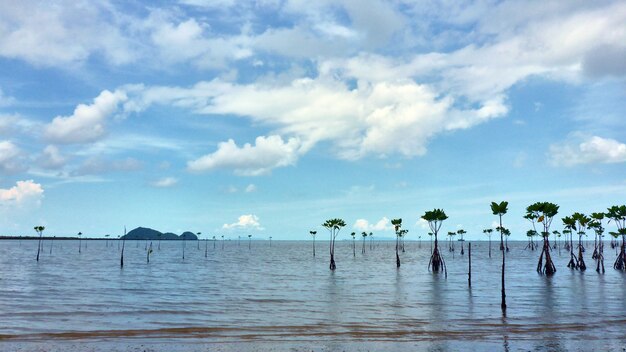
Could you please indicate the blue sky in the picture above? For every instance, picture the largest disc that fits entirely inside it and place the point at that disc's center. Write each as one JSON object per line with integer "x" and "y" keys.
{"x": 267, "y": 117}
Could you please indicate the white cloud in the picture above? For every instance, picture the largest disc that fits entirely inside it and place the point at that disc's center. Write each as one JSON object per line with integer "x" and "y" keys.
{"x": 165, "y": 182}
{"x": 250, "y": 160}
{"x": 245, "y": 222}
{"x": 23, "y": 193}
{"x": 364, "y": 225}
{"x": 10, "y": 125}
{"x": 51, "y": 158}
{"x": 50, "y": 34}
{"x": 87, "y": 123}
{"x": 592, "y": 150}
{"x": 251, "y": 188}
{"x": 209, "y": 3}
{"x": 378, "y": 118}
{"x": 422, "y": 224}
{"x": 10, "y": 158}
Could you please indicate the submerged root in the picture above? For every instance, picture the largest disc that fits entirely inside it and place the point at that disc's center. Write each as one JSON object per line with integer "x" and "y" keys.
{"x": 548, "y": 268}
{"x": 581, "y": 261}
{"x": 573, "y": 262}
{"x": 620, "y": 262}
{"x": 436, "y": 263}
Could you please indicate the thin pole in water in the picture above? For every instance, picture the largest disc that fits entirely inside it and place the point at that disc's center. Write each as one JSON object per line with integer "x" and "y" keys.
{"x": 469, "y": 255}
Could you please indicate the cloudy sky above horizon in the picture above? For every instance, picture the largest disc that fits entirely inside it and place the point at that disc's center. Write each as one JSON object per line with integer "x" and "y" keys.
{"x": 269, "y": 116}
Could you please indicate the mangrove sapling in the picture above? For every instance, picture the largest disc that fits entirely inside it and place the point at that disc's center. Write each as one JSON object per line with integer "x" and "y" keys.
{"x": 461, "y": 232}
{"x": 79, "y": 234}
{"x": 397, "y": 224}
{"x": 581, "y": 225}
{"x": 353, "y": 234}
{"x": 238, "y": 241}
{"x": 500, "y": 209}
{"x": 333, "y": 226}
{"x": 530, "y": 234}
{"x": 435, "y": 219}
{"x": 555, "y": 233}
{"x": 249, "y": 242}
{"x": 39, "y": 230}
{"x": 214, "y": 240}
{"x": 450, "y": 234}
{"x": 430, "y": 234}
{"x": 618, "y": 215}
{"x": 313, "y": 233}
{"x": 596, "y": 225}
{"x": 620, "y": 261}
{"x": 270, "y": 241}
{"x": 488, "y": 233}
{"x": 198, "y": 239}
{"x": 249, "y": 239}
{"x": 364, "y": 235}
{"x": 159, "y": 237}
{"x": 371, "y": 236}
{"x": 570, "y": 227}
{"x": 543, "y": 213}
{"x": 52, "y": 243}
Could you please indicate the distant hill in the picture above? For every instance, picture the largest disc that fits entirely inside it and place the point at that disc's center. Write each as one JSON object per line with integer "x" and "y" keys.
{"x": 169, "y": 236}
{"x": 188, "y": 235}
{"x": 144, "y": 233}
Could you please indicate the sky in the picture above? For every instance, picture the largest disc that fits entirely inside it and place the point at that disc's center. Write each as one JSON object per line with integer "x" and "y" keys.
{"x": 268, "y": 117}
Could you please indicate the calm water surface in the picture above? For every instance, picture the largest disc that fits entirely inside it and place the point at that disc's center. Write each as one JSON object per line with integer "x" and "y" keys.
{"x": 281, "y": 298}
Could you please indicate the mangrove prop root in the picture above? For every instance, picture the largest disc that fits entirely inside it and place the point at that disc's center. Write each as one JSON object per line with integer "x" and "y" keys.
{"x": 620, "y": 262}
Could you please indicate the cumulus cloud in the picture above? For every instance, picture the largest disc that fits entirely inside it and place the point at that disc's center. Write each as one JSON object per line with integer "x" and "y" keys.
{"x": 10, "y": 158}
{"x": 23, "y": 193}
{"x": 591, "y": 150}
{"x": 250, "y": 188}
{"x": 250, "y": 160}
{"x": 87, "y": 123}
{"x": 165, "y": 182}
{"x": 422, "y": 224}
{"x": 382, "y": 225}
{"x": 245, "y": 222}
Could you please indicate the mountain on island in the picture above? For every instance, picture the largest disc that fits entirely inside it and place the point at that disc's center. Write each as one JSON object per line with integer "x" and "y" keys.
{"x": 188, "y": 235}
{"x": 144, "y": 233}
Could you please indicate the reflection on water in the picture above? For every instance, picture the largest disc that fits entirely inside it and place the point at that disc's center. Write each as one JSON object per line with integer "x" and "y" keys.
{"x": 281, "y": 293}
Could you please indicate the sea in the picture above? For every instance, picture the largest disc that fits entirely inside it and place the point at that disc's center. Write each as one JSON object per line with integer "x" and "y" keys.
{"x": 261, "y": 296}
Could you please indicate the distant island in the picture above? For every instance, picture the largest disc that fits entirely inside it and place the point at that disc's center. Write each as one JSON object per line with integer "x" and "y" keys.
{"x": 144, "y": 233}
{"x": 140, "y": 233}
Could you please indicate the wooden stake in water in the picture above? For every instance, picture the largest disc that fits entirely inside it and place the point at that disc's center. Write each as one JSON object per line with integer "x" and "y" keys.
{"x": 469, "y": 255}
{"x": 149, "y": 252}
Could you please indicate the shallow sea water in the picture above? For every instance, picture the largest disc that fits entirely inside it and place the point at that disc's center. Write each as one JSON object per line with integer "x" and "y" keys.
{"x": 281, "y": 298}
